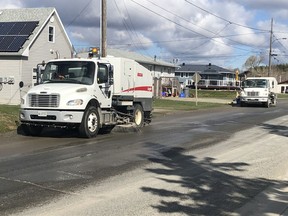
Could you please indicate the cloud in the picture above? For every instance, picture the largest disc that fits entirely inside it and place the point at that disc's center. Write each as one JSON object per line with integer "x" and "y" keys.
{"x": 77, "y": 35}
{"x": 189, "y": 30}
{"x": 9, "y": 4}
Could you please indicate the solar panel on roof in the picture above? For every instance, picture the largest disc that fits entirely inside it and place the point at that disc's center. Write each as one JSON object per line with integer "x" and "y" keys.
{"x": 14, "y": 34}
{"x": 16, "y": 29}
{"x": 5, "y": 42}
{"x": 28, "y": 28}
{"x": 16, "y": 44}
{"x": 5, "y": 28}
{"x": 1, "y": 39}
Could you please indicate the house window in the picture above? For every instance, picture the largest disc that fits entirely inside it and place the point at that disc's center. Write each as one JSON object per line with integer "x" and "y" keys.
{"x": 51, "y": 34}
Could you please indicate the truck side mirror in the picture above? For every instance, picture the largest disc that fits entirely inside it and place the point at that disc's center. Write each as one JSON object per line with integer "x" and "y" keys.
{"x": 111, "y": 75}
{"x": 40, "y": 69}
{"x": 21, "y": 84}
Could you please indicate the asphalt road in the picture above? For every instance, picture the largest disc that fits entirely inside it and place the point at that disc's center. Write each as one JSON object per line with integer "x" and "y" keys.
{"x": 228, "y": 161}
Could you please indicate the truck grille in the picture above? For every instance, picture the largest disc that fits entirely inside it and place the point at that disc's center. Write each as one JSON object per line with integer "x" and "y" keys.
{"x": 44, "y": 100}
{"x": 253, "y": 94}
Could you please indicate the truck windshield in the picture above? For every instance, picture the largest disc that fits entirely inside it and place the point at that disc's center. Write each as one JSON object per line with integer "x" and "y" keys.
{"x": 81, "y": 72}
{"x": 255, "y": 83}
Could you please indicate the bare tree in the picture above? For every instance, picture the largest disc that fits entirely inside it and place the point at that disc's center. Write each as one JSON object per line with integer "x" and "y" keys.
{"x": 252, "y": 64}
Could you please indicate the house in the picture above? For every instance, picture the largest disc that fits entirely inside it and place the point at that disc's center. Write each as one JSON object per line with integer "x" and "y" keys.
{"x": 28, "y": 36}
{"x": 163, "y": 72}
{"x": 283, "y": 87}
{"x": 212, "y": 76}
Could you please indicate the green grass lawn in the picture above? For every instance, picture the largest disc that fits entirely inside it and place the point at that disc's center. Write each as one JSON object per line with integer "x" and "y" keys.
{"x": 214, "y": 94}
{"x": 182, "y": 105}
{"x": 8, "y": 116}
{"x": 282, "y": 96}
{"x": 185, "y": 105}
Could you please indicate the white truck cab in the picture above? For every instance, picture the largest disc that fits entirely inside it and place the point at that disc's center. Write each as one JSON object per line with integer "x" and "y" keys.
{"x": 259, "y": 90}
{"x": 88, "y": 94}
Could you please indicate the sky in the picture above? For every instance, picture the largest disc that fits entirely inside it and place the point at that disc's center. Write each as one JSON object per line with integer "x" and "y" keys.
{"x": 221, "y": 32}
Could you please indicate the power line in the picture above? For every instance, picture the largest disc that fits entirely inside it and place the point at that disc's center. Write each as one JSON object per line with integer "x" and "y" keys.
{"x": 176, "y": 15}
{"x": 244, "y": 26}
{"x": 137, "y": 36}
{"x": 130, "y": 30}
{"x": 197, "y": 33}
{"x": 278, "y": 41}
{"x": 158, "y": 14}
{"x": 79, "y": 14}
{"x": 185, "y": 39}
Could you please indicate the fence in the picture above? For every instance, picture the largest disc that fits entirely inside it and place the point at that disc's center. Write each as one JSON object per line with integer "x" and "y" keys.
{"x": 218, "y": 84}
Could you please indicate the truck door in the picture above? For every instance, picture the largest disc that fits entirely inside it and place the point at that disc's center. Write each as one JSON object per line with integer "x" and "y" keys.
{"x": 104, "y": 85}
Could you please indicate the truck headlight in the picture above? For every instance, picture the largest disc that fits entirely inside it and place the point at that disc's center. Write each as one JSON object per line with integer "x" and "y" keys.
{"x": 76, "y": 102}
{"x": 22, "y": 101}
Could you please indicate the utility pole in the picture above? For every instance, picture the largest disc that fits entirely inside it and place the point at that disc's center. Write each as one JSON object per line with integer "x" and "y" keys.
{"x": 270, "y": 50}
{"x": 103, "y": 28}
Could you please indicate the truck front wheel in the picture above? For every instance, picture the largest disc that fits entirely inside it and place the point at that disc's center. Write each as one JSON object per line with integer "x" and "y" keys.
{"x": 138, "y": 115}
{"x": 267, "y": 104}
{"x": 90, "y": 124}
{"x": 274, "y": 101}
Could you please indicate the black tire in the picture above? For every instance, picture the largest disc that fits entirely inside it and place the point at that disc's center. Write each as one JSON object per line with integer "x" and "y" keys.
{"x": 90, "y": 124}
{"x": 274, "y": 101}
{"x": 147, "y": 117}
{"x": 267, "y": 104}
{"x": 138, "y": 115}
{"x": 31, "y": 130}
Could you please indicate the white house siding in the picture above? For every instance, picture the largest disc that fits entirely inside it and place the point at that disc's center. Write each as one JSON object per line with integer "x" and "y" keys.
{"x": 61, "y": 44}
{"x": 22, "y": 67}
{"x": 162, "y": 71}
{"x": 10, "y": 67}
{"x": 40, "y": 50}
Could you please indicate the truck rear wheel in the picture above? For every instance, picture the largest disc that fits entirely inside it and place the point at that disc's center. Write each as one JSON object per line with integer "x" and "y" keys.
{"x": 90, "y": 124}
{"x": 147, "y": 117}
{"x": 138, "y": 115}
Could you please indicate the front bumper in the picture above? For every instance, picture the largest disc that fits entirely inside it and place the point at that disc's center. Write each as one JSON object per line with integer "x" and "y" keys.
{"x": 51, "y": 116}
{"x": 254, "y": 100}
